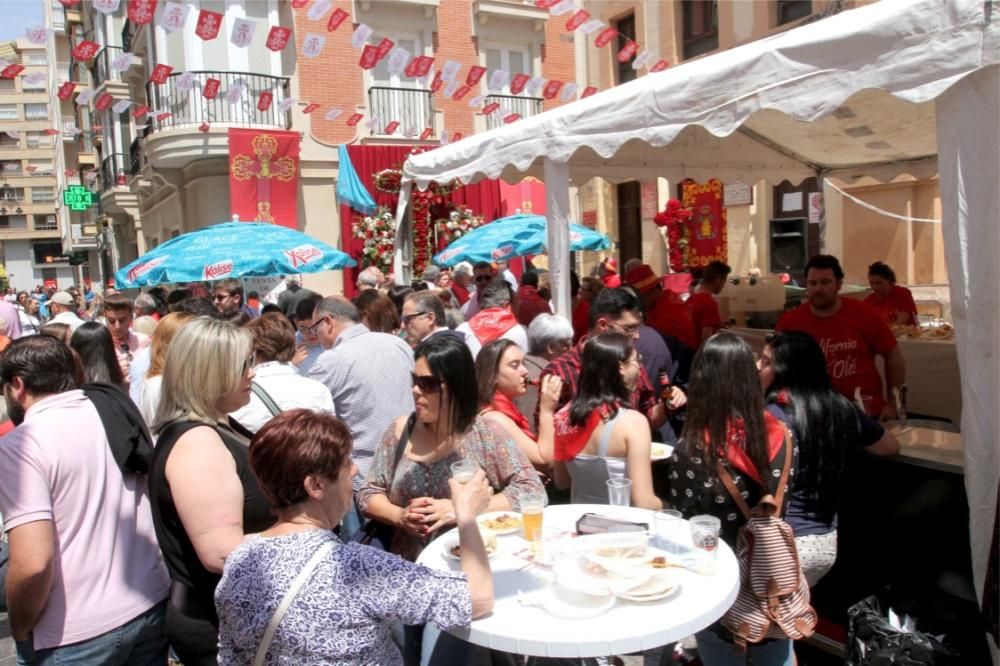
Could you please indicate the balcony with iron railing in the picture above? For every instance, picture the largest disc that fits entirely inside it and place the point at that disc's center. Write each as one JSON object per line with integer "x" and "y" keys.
{"x": 135, "y": 157}
{"x": 114, "y": 170}
{"x": 410, "y": 107}
{"x": 103, "y": 71}
{"x": 523, "y": 106}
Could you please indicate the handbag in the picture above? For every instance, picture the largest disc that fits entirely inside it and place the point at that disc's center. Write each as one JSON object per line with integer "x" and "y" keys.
{"x": 286, "y": 601}
{"x": 375, "y": 533}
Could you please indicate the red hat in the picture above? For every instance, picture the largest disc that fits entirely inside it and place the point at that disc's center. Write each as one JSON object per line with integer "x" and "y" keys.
{"x": 642, "y": 278}
{"x": 610, "y": 264}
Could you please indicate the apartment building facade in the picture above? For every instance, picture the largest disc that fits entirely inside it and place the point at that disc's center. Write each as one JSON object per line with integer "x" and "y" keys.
{"x": 680, "y": 31}
{"x": 29, "y": 229}
{"x": 167, "y": 172}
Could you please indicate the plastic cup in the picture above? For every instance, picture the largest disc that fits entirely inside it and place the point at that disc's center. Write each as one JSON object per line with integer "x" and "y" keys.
{"x": 543, "y": 548}
{"x": 619, "y": 492}
{"x": 463, "y": 470}
{"x": 532, "y": 507}
{"x": 705, "y": 536}
{"x": 670, "y": 528}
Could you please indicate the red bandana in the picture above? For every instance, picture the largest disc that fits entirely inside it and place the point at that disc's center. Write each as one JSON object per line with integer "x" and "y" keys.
{"x": 492, "y": 323}
{"x": 571, "y": 439}
{"x": 736, "y": 438}
{"x": 506, "y": 406}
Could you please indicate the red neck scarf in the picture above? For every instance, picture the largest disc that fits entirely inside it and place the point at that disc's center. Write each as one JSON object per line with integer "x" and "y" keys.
{"x": 571, "y": 439}
{"x": 736, "y": 441}
{"x": 461, "y": 293}
{"x": 492, "y": 323}
{"x": 506, "y": 406}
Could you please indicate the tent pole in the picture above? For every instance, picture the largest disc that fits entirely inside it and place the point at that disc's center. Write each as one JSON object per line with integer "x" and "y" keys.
{"x": 557, "y": 234}
{"x": 402, "y": 260}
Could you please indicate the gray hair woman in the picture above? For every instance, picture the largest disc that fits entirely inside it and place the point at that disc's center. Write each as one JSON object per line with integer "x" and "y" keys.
{"x": 548, "y": 336}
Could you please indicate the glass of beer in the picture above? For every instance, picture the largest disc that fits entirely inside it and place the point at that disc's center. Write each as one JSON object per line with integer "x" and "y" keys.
{"x": 463, "y": 470}
{"x": 532, "y": 506}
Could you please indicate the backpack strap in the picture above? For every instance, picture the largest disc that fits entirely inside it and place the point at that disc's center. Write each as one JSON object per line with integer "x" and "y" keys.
{"x": 265, "y": 398}
{"x": 778, "y": 497}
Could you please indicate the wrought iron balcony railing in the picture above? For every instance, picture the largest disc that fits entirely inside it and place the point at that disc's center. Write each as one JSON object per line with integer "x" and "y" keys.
{"x": 102, "y": 65}
{"x": 410, "y": 107}
{"x": 175, "y": 106}
{"x": 114, "y": 170}
{"x": 523, "y": 106}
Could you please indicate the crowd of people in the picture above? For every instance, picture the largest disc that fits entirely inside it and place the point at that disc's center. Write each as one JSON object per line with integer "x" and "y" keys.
{"x": 176, "y": 488}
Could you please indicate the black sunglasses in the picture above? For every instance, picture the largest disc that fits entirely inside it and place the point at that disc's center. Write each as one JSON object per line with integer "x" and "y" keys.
{"x": 410, "y": 317}
{"x": 426, "y": 383}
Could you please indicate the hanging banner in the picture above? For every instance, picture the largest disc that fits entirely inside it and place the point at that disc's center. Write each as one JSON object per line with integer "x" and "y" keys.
{"x": 312, "y": 45}
{"x": 336, "y": 18}
{"x": 361, "y": 35}
{"x": 604, "y": 37}
{"x": 242, "y": 34}
{"x": 419, "y": 66}
{"x": 319, "y": 10}
{"x": 277, "y": 38}
{"x": 106, "y": 6}
{"x": 264, "y": 100}
{"x": 552, "y": 89}
{"x": 66, "y": 90}
{"x": 141, "y": 12}
{"x": 383, "y": 48}
{"x": 140, "y": 110}
{"x": 85, "y": 50}
{"x": 627, "y": 51}
{"x": 498, "y": 80}
{"x": 121, "y": 106}
{"x": 517, "y": 83}
{"x": 160, "y": 74}
{"x": 568, "y": 92}
{"x": 396, "y": 60}
{"x": 475, "y": 73}
{"x": 450, "y": 70}
{"x": 263, "y": 176}
{"x": 578, "y": 19}
{"x": 211, "y": 88}
{"x": 104, "y": 102}
{"x": 534, "y": 86}
{"x": 174, "y": 15}
{"x": 208, "y": 25}
{"x": 707, "y": 228}
{"x": 659, "y": 66}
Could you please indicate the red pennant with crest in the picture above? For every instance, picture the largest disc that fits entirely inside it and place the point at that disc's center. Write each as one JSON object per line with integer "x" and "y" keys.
{"x": 354, "y": 119}
{"x": 103, "y": 102}
{"x": 461, "y": 92}
{"x": 211, "y": 88}
{"x": 369, "y": 57}
{"x": 384, "y": 47}
{"x": 309, "y": 108}
{"x": 86, "y": 50}
{"x": 627, "y": 51}
{"x": 472, "y": 78}
{"x": 299, "y": 4}
{"x": 552, "y": 89}
{"x": 336, "y": 18}
{"x": 659, "y": 66}
{"x": 511, "y": 118}
{"x": 490, "y": 108}
{"x": 141, "y": 11}
{"x": 604, "y": 37}
{"x": 160, "y": 74}
{"x": 437, "y": 82}
{"x": 160, "y": 117}
{"x": 422, "y": 65}
{"x": 456, "y": 136}
{"x": 392, "y": 127}
{"x": 546, "y": 4}
{"x": 10, "y": 71}
{"x": 140, "y": 111}
{"x": 518, "y": 82}
{"x": 277, "y": 38}
{"x": 50, "y": 131}
{"x": 264, "y": 100}
{"x": 588, "y": 91}
{"x": 208, "y": 25}
{"x": 66, "y": 90}
{"x": 263, "y": 176}
{"x": 426, "y": 134}
{"x": 203, "y": 127}
{"x": 577, "y": 19}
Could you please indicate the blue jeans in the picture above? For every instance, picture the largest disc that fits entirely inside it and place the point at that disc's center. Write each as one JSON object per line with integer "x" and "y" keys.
{"x": 716, "y": 652}
{"x": 141, "y": 641}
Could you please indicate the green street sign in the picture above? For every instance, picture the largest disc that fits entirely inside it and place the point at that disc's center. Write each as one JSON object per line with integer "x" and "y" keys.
{"x": 78, "y": 197}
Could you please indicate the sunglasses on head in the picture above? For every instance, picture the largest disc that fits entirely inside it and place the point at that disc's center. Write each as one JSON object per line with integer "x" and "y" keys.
{"x": 426, "y": 383}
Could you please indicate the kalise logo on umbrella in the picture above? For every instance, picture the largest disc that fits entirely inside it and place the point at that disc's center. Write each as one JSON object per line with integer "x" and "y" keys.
{"x": 449, "y": 253}
{"x": 502, "y": 252}
{"x": 303, "y": 254}
{"x": 217, "y": 270}
{"x": 143, "y": 268}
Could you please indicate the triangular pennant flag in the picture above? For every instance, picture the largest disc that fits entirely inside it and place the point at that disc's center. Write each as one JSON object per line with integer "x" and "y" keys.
{"x": 361, "y": 35}
{"x": 277, "y": 38}
{"x": 174, "y": 15}
{"x": 264, "y": 100}
{"x": 85, "y": 50}
{"x": 369, "y": 57}
{"x": 122, "y": 106}
{"x": 373, "y": 124}
{"x": 517, "y": 84}
{"x": 208, "y": 24}
{"x": 578, "y": 19}
{"x": 160, "y": 74}
{"x": 319, "y": 10}
{"x": 336, "y": 18}
{"x": 383, "y": 48}
{"x": 242, "y": 34}
{"x": 106, "y": 6}
{"x": 333, "y": 114}
{"x": 141, "y": 12}
{"x": 309, "y": 108}
{"x": 312, "y": 45}
{"x": 163, "y": 115}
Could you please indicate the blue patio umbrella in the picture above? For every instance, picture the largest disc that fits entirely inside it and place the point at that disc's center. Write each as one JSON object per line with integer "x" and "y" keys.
{"x": 232, "y": 250}
{"x": 514, "y": 236}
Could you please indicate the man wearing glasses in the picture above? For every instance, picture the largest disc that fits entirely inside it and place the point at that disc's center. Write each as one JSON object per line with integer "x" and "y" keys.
{"x": 227, "y": 295}
{"x": 423, "y": 316}
{"x": 482, "y": 275}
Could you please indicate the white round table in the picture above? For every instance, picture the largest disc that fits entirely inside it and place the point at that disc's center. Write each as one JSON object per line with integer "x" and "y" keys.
{"x": 627, "y": 627}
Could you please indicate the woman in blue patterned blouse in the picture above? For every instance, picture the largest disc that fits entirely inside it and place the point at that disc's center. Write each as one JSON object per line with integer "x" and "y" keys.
{"x": 343, "y": 613}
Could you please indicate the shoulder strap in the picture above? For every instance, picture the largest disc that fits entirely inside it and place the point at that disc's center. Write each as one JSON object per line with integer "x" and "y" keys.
{"x": 785, "y": 469}
{"x": 287, "y": 600}
{"x": 265, "y": 398}
{"x": 730, "y": 485}
{"x": 403, "y": 440}
{"x": 602, "y": 446}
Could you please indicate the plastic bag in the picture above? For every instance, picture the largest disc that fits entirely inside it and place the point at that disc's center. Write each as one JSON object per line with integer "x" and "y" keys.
{"x": 873, "y": 641}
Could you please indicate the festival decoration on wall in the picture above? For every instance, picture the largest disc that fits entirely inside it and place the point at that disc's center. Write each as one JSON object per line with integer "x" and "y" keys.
{"x": 379, "y": 235}
{"x": 707, "y": 228}
{"x": 672, "y": 222}
{"x": 263, "y": 175}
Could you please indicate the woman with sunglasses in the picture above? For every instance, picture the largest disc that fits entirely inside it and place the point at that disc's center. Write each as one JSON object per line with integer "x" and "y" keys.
{"x": 597, "y": 435}
{"x": 204, "y": 495}
{"x": 413, "y": 495}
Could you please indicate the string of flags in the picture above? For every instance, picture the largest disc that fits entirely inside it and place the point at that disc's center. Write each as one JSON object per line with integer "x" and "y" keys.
{"x": 399, "y": 62}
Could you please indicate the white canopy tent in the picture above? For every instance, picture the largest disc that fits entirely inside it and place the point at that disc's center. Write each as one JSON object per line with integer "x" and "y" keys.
{"x": 899, "y": 86}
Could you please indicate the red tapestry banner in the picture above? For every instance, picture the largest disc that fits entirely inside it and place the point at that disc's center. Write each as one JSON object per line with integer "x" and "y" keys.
{"x": 263, "y": 176}
{"x": 707, "y": 234}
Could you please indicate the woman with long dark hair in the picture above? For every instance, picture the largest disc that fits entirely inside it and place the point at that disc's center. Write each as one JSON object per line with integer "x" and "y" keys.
{"x": 827, "y": 427}
{"x": 598, "y": 434}
{"x": 408, "y": 489}
{"x": 726, "y": 423}
{"x": 93, "y": 344}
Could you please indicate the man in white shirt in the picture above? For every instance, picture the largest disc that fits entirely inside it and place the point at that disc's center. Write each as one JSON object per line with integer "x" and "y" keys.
{"x": 495, "y": 320}
{"x": 63, "y": 309}
{"x": 423, "y": 316}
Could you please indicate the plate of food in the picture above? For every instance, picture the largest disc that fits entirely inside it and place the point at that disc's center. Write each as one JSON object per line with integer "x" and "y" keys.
{"x": 658, "y": 587}
{"x": 501, "y": 522}
{"x": 658, "y": 451}
{"x": 452, "y": 550}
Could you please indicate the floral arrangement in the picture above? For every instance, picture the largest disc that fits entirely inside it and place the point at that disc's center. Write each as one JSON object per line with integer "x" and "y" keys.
{"x": 672, "y": 223}
{"x": 458, "y": 223}
{"x": 379, "y": 235}
{"x": 388, "y": 180}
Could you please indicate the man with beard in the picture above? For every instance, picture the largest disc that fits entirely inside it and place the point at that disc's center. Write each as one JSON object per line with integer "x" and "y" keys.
{"x": 86, "y": 582}
{"x": 851, "y": 334}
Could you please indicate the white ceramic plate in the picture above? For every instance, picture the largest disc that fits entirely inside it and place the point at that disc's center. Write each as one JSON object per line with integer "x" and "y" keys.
{"x": 631, "y": 595}
{"x": 575, "y": 575}
{"x": 448, "y": 543}
{"x": 569, "y": 604}
{"x": 660, "y": 451}
{"x": 485, "y": 521}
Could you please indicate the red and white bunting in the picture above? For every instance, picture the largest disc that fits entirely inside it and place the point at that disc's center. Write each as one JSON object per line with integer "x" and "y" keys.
{"x": 31, "y": 168}
{"x": 185, "y": 81}
{"x": 562, "y": 7}
{"x": 264, "y": 100}
{"x": 426, "y": 134}
{"x": 140, "y": 110}
{"x": 286, "y": 104}
{"x": 66, "y": 90}
{"x": 641, "y": 60}
{"x": 437, "y": 82}
{"x": 312, "y": 45}
{"x": 477, "y": 101}
{"x": 457, "y": 136}
{"x": 235, "y": 93}
{"x": 659, "y": 66}
{"x": 568, "y": 92}
{"x": 498, "y": 80}
{"x": 333, "y": 114}
{"x": 69, "y": 173}
{"x": 242, "y": 34}
{"x": 319, "y": 10}
{"x": 511, "y": 118}
{"x": 627, "y": 51}
{"x": 604, "y": 37}
{"x": 369, "y": 57}
{"x": 336, "y": 18}
{"x": 518, "y": 82}
{"x": 577, "y": 19}
{"x": 309, "y": 108}
{"x": 461, "y": 92}
{"x": 211, "y": 88}
{"x": 592, "y": 26}
{"x": 160, "y": 74}
{"x": 37, "y": 35}
{"x": 121, "y": 106}
{"x": 588, "y": 91}
{"x": 70, "y": 3}
{"x": 50, "y": 131}
{"x": 534, "y": 86}
{"x": 14, "y": 134}
{"x": 106, "y": 7}
{"x": 35, "y": 78}
{"x": 397, "y": 60}
{"x": 122, "y": 62}
{"x": 449, "y": 90}
{"x": 383, "y": 48}
{"x": 392, "y": 127}
{"x": 85, "y": 50}
{"x": 490, "y": 108}
{"x": 208, "y": 24}
{"x": 409, "y": 131}
{"x": 475, "y": 73}
{"x": 545, "y": 4}
{"x": 203, "y": 127}
{"x": 104, "y": 102}
{"x": 277, "y": 38}
{"x": 354, "y": 119}
{"x": 420, "y": 66}
{"x": 361, "y": 35}
{"x": 299, "y": 4}
{"x": 373, "y": 123}
{"x": 552, "y": 89}
{"x": 163, "y": 115}
{"x": 174, "y": 15}
{"x": 141, "y": 12}
{"x": 450, "y": 70}
{"x": 85, "y": 96}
